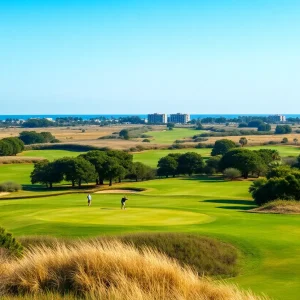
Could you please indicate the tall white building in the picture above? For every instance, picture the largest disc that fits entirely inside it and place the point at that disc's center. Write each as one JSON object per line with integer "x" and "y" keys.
{"x": 277, "y": 118}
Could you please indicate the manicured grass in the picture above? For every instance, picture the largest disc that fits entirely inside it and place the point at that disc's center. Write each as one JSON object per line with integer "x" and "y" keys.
{"x": 50, "y": 154}
{"x": 270, "y": 243}
{"x": 283, "y": 150}
{"x": 170, "y": 136}
{"x": 151, "y": 157}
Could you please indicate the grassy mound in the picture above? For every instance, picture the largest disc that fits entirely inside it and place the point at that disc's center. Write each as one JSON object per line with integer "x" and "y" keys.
{"x": 107, "y": 270}
{"x": 279, "y": 207}
{"x": 205, "y": 255}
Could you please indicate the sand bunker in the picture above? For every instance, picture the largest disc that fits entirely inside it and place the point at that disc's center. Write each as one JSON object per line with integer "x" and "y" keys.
{"x": 3, "y": 194}
{"x": 117, "y": 192}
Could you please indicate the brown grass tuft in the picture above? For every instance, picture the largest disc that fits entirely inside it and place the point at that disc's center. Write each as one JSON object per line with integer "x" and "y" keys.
{"x": 279, "y": 207}
{"x": 107, "y": 270}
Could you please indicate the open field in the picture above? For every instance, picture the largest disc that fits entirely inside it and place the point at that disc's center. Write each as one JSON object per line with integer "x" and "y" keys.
{"x": 164, "y": 136}
{"x": 50, "y": 154}
{"x": 204, "y": 206}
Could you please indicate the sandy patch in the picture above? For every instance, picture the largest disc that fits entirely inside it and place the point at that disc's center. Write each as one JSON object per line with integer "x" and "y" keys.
{"x": 117, "y": 192}
{"x": 3, "y": 194}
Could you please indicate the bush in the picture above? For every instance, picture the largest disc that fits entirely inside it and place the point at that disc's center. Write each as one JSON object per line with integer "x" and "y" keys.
{"x": 9, "y": 244}
{"x": 146, "y": 141}
{"x": 282, "y": 129}
{"x": 232, "y": 173}
{"x": 9, "y": 186}
{"x": 284, "y": 140}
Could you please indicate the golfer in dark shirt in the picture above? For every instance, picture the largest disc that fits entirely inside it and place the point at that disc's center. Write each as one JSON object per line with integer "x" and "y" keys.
{"x": 123, "y": 200}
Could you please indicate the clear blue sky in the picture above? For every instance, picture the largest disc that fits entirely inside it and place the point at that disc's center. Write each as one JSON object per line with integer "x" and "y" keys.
{"x": 139, "y": 56}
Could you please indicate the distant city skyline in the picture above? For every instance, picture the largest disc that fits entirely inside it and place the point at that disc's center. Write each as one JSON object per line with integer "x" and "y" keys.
{"x": 133, "y": 57}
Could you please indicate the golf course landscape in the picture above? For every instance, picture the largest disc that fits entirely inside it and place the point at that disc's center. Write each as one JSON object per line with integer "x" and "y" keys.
{"x": 268, "y": 244}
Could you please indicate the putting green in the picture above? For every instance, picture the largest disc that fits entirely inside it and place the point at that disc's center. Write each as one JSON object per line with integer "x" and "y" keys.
{"x": 116, "y": 216}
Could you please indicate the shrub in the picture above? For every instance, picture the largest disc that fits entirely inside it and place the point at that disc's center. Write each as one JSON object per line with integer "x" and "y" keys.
{"x": 284, "y": 140}
{"x": 146, "y": 141}
{"x": 9, "y": 244}
{"x": 232, "y": 173}
{"x": 282, "y": 129}
{"x": 9, "y": 186}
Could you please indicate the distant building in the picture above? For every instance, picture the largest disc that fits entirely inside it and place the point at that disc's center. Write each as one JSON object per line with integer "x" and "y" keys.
{"x": 157, "y": 118}
{"x": 179, "y": 118}
{"x": 277, "y": 118}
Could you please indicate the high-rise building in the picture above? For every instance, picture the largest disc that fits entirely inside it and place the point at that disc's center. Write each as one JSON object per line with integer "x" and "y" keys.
{"x": 157, "y": 118}
{"x": 179, "y": 118}
{"x": 277, "y": 118}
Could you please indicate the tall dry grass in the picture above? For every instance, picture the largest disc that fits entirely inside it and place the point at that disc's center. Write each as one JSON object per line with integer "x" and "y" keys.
{"x": 107, "y": 270}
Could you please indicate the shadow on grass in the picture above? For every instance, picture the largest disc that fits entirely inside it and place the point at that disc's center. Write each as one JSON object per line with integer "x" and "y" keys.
{"x": 204, "y": 178}
{"x": 41, "y": 188}
{"x": 236, "y": 204}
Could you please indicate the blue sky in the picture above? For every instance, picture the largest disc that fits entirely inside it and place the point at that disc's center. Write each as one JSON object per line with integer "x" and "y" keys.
{"x": 145, "y": 56}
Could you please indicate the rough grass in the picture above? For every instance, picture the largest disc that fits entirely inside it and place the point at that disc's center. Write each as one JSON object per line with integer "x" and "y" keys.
{"x": 19, "y": 160}
{"x": 279, "y": 207}
{"x": 205, "y": 255}
{"x": 108, "y": 270}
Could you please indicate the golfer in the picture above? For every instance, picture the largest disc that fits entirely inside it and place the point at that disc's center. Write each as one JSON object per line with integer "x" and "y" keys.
{"x": 89, "y": 198}
{"x": 123, "y": 200}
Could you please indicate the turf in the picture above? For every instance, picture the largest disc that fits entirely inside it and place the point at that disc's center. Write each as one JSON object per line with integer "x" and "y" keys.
{"x": 270, "y": 243}
{"x": 50, "y": 154}
{"x": 170, "y": 136}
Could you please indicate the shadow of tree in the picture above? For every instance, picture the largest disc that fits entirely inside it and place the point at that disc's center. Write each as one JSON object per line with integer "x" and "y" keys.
{"x": 236, "y": 204}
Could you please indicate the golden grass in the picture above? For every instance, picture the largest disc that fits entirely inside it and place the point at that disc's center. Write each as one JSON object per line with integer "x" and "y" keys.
{"x": 107, "y": 270}
{"x": 19, "y": 159}
{"x": 279, "y": 207}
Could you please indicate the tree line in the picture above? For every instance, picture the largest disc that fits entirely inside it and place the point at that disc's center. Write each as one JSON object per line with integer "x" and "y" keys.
{"x": 282, "y": 182}
{"x": 11, "y": 146}
{"x": 33, "y": 137}
{"x": 94, "y": 165}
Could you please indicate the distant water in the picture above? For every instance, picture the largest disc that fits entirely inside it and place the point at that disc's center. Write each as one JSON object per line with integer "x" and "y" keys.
{"x": 143, "y": 116}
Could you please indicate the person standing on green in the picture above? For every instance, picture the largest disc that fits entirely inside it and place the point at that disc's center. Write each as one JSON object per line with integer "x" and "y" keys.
{"x": 89, "y": 197}
{"x": 123, "y": 200}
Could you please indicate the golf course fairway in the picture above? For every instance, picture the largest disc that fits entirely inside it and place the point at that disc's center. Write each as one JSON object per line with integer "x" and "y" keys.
{"x": 268, "y": 243}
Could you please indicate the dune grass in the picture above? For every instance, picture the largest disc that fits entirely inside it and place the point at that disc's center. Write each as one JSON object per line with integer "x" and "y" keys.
{"x": 280, "y": 207}
{"x": 108, "y": 270}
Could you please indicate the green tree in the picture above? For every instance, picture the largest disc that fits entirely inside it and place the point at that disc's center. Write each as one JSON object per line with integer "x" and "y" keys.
{"x": 97, "y": 158}
{"x": 16, "y": 144}
{"x": 6, "y": 148}
{"x": 295, "y": 140}
{"x": 243, "y": 141}
{"x": 264, "y": 127}
{"x": 283, "y": 129}
{"x": 47, "y": 173}
{"x": 77, "y": 170}
{"x": 212, "y": 165}
{"x": 255, "y": 123}
{"x": 140, "y": 171}
{"x": 113, "y": 169}
{"x": 124, "y": 133}
{"x": 190, "y": 163}
{"x": 31, "y": 137}
{"x": 222, "y": 146}
{"x": 170, "y": 126}
{"x": 167, "y": 166}
{"x": 242, "y": 159}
